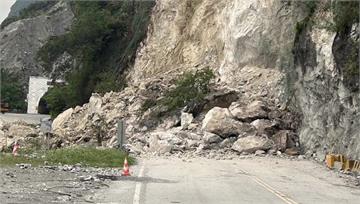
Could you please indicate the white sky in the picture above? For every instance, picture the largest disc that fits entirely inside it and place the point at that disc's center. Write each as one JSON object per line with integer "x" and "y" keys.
{"x": 5, "y": 8}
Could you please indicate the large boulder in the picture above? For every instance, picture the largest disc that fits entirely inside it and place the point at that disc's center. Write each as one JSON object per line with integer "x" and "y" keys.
{"x": 219, "y": 121}
{"x": 60, "y": 120}
{"x": 251, "y": 144}
{"x": 159, "y": 146}
{"x": 253, "y": 111}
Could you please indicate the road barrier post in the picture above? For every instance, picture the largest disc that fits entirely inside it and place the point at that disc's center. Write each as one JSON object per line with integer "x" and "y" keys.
{"x": 121, "y": 133}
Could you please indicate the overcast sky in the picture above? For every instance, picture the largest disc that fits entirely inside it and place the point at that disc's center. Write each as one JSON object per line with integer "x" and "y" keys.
{"x": 5, "y": 8}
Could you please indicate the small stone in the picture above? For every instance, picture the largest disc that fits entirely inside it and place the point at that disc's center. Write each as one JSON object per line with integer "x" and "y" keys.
{"x": 301, "y": 157}
{"x": 88, "y": 178}
{"x": 272, "y": 152}
{"x": 292, "y": 151}
{"x": 23, "y": 166}
{"x": 186, "y": 119}
{"x": 260, "y": 153}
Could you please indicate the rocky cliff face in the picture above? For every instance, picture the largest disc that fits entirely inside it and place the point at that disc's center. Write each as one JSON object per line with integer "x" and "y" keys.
{"x": 327, "y": 96}
{"x": 246, "y": 42}
{"x": 21, "y": 40}
{"x": 256, "y": 49}
{"x": 263, "y": 50}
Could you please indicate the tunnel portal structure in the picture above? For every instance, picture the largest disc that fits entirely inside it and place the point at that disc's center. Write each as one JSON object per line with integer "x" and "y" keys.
{"x": 38, "y": 86}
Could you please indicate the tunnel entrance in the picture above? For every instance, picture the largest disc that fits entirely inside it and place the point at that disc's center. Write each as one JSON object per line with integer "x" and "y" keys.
{"x": 43, "y": 107}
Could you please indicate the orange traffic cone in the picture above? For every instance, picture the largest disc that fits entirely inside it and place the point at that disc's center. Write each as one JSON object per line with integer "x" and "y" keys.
{"x": 126, "y": 170}
{"x": 15, "y": 149}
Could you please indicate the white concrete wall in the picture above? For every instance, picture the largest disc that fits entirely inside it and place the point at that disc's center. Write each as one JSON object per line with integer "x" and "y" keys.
{"x": 37, "y": 88}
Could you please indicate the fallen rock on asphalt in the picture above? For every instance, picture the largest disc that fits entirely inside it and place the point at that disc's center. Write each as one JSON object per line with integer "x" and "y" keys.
{"x": 219, "y": 121}
{"x": 250, "y": 144}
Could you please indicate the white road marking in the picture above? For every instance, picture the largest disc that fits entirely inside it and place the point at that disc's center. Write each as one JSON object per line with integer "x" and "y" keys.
{"x": 280, "y": 195}
{"x": 138, "y": 185}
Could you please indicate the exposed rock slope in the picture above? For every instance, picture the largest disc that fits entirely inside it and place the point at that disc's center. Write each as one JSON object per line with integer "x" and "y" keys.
{"x": 21, "y": 40}
{"x": 265, "y": 49}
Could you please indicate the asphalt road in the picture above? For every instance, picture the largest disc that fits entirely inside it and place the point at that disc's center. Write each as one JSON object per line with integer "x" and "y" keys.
{"x": 28, "y": 118}
{"x": 259, "y": 180}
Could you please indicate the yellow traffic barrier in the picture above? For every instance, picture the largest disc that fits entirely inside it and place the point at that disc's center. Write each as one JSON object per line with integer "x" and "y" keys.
{"x": 346, "y": 164}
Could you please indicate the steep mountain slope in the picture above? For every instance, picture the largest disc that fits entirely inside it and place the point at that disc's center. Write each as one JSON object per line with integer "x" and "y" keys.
{"x": 268, "y": 49}
{"x": 298, "y": 57}
{"x": 89, "y": 44}
{"x": 21, "y": 40}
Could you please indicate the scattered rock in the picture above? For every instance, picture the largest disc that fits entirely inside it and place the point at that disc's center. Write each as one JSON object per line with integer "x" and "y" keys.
{"x": 281, "y": 139}
{"x": 86, "y": 178}
{"x": 301, "y": 157}
{"x": 186, "y": 120}
{"x": 292, "y": 151}
{"x": 260, "y": 153}
{"x": 227, "y": 142}
{"x": 159, "y": 146}
{"x": 21, "y": 131}
{"x": 210, "y": 138}
{"x": 250, "y": 144}
{"x": 23, "y": 166}
{"x": 272, "y": 152}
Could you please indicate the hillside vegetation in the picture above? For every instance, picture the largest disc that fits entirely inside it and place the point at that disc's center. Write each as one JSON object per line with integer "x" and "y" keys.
{"x": 103, "y": 42}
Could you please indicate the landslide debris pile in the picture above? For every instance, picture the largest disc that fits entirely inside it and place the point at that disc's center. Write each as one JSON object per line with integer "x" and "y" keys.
{"x": 28, "y": 135}
{"x": 222, "y": 126}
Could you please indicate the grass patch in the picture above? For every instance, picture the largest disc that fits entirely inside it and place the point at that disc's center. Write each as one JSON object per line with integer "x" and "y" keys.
{"x": 7, "y": 159}
{"x": 86, "y": 156}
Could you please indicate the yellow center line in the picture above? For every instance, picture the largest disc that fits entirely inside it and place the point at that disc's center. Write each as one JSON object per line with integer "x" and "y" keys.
{"x": 272, "y": 190}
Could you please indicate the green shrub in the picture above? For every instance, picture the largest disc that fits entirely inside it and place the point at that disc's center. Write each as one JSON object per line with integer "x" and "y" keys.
{"x": 190, "y": 87}
{"x": 346, "y": 13}
{"x": 56, "y": 100}
{"x": 148, "y": 103}
{"x": 107, "y": 82}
